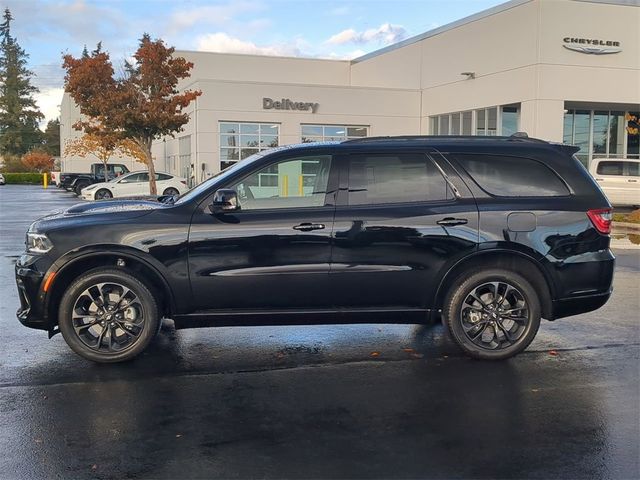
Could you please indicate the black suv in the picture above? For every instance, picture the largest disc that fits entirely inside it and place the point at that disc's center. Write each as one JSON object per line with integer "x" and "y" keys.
{"x": 490, "y": 234}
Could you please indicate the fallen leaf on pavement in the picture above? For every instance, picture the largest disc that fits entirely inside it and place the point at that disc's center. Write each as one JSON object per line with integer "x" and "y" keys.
{"x": 408, "y": 350}
{"x": 553, "y": 352}
{"x": 374, "y": 354}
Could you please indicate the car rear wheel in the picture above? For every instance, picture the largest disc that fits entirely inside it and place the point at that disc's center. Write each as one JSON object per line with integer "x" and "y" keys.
{"x": 493, "y": 314}
{"x": 171, "y": 191}
{"x": 78, "y": 188}
{"x": 103, "y": 194}
{"x": 108, "y": 316}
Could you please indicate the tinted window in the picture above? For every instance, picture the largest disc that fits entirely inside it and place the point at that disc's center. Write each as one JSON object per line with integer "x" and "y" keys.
{"x": 610, "y": 168}
{"x": 136, "y": 177}
{"x": 508, "y": 176}
{"x": 162, "y": 176}
{"x": 376, "y": 179}
{"x": 291, "y": 183}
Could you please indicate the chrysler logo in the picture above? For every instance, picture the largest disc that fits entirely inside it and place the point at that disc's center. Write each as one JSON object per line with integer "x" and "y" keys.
{"x": 592, "y": 46}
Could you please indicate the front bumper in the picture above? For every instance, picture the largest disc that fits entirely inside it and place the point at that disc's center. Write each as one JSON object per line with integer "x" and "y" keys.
{"x": 32, "y": 312}
{"x": 87, "y": 195}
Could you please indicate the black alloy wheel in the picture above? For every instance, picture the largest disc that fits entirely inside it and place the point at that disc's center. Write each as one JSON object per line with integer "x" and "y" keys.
{"x": 103, "y": 194}
{"x": 171, "y": 191}
{"x": 108, "y": 315}
{"x": 493, "y": 314}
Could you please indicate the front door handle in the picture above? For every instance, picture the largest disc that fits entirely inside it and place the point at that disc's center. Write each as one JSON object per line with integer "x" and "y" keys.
{"x": 632, "y": 180}
{"x": 452, "y": 222}
{"x": 307, "y": 227}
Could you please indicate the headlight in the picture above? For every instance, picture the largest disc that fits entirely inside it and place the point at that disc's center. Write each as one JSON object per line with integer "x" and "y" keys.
{"x": 90, "y": 187}
{"x": 38, "y": 243}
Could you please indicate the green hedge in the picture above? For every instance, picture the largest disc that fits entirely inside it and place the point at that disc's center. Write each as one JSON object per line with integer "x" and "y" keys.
{"x": 24, "y": 178}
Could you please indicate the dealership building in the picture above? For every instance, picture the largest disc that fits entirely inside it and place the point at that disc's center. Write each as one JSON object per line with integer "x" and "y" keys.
{"x": 560, "y": 70}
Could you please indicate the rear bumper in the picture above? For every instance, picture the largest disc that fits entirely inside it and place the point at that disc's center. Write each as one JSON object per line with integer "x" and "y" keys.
{"x": 566, "y": 307}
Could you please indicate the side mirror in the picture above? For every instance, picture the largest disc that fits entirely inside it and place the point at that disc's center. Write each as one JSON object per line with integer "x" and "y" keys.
{"x": 224, "y": 200}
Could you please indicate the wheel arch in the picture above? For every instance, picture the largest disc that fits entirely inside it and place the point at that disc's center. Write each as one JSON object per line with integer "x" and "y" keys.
{"x": 133, "y": 263}
{"x": 509, "y": 260}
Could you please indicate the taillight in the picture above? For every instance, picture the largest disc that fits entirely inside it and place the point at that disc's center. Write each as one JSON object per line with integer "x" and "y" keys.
{"x": 184, "y": 182}
{"x": 601, "y": 219}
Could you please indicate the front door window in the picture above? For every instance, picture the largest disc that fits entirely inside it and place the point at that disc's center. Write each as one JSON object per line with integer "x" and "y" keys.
{"x": 290, "y": 183}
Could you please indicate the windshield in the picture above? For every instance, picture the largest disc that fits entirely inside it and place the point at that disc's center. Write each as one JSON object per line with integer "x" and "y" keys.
{"x": 204, "y": 186}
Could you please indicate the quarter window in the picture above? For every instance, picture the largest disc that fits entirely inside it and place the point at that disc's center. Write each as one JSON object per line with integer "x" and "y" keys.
{"x": 240, "y": 140}
{"x": 378, "y": 179}
{"x": 507, "y": 176}
{"x": 291, "y": 183}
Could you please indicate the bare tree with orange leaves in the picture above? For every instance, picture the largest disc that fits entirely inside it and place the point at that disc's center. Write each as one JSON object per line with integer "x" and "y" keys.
{"x": 143, "y": 105}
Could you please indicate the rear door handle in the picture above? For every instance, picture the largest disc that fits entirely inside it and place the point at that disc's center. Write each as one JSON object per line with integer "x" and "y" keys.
{"x": 452, "y": 222}
{"x": 307, "y": 227}
{"x": 631, "y": 180}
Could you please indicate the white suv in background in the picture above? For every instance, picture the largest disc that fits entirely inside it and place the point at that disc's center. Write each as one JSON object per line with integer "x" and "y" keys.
{"x": 619, "y": 178}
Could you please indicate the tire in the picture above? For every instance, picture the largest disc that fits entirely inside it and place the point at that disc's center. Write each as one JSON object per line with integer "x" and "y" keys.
{"x": 102, "y": 335}
{"x": 78, "y": 188}
{"x": 171, "y": 191}
{"x": 103, "y": 194}
{"x": 504, "y": 326}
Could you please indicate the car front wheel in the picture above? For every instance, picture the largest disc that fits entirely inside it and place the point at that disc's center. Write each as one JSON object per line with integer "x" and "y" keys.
{"x": 171, "y": 191}
{"x": 108, "y": 315}
{"x": 493, "y": 314}
{"x": 103, "y": 194}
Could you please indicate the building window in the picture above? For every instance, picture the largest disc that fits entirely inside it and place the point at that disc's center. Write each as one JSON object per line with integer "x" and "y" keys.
{"x": 490, "y": 121}
{"x": 241, "y": 140}
{"x": 602, "y": 133}
{"x": 184, "y": 158}
{"x": 322, "y": 133}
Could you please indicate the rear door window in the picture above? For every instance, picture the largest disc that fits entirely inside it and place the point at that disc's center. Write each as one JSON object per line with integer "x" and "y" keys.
{"x": 510, "y": 176}
{"x": 395, "y": 178}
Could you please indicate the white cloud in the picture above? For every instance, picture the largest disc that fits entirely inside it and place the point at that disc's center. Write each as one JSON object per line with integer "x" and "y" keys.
{"x": 219, "y": 15}
{"x": 221, "y": 42}
{"x": 49, "y": 101}
{"x": 386, "y": 34}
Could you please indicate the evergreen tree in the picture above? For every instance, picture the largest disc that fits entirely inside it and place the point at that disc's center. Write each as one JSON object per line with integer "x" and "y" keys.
{"x": 51, "y": 138}
{"x": 19, "y": 114}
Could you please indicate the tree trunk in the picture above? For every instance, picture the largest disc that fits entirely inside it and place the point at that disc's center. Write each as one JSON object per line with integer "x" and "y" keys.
{"x": 105, "y": 161}
{"x": 146, "y": 148}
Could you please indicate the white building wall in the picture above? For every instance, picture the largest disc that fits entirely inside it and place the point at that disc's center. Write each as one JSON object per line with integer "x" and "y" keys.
{"x": 515, "y": 51}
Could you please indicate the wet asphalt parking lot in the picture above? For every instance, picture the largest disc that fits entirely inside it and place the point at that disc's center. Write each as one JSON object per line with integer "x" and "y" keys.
{"x": 362, "y": 401}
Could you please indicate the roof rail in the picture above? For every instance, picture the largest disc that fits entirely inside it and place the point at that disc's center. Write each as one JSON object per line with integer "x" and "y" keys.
{"x": 518, "y": 136}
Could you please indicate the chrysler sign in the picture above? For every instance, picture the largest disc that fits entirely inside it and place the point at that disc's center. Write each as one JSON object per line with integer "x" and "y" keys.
{"x": 286, "y": 104}
{"x": 592, "y": 46}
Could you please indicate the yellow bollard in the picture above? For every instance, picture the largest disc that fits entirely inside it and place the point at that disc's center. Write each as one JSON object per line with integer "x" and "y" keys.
{"x": 285, "y": 185}
{"x": 45, "y": 180}
{"x": 300, "y": 186}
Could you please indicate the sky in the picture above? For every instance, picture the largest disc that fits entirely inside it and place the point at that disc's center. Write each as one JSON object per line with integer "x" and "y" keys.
{"x": 345, "y": 29}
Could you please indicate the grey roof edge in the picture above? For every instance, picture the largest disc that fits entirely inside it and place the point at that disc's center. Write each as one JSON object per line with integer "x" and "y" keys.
{"x": 503, "y": 7}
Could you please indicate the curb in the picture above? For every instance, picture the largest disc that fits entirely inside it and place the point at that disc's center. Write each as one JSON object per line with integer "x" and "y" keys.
{"x": 625, "y": 226}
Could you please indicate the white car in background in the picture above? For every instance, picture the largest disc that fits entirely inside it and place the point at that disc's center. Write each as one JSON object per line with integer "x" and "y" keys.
{"x": 619, "y": 179}
{"x": 134, "y": 184}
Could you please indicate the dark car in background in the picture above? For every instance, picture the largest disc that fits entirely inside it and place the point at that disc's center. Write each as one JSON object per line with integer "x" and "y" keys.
{"x": 75, "y": 182}
{"x": 487, "y": 234}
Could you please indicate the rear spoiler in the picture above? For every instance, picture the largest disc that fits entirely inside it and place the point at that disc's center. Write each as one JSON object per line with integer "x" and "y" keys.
{"x": 566, "y": 148}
